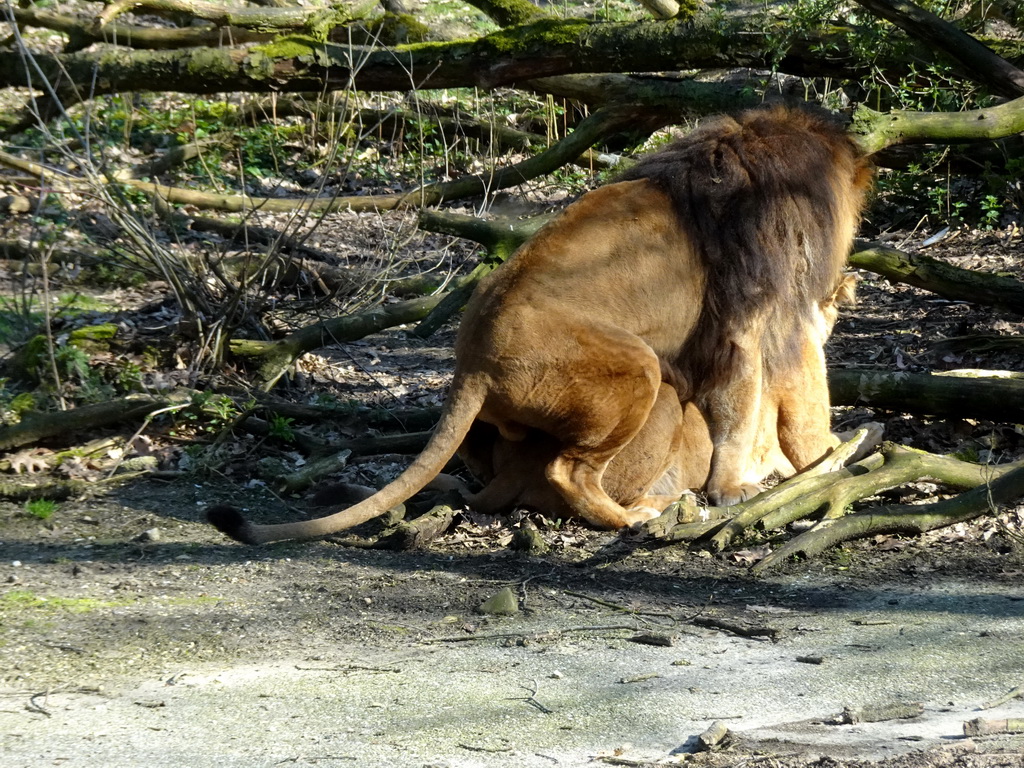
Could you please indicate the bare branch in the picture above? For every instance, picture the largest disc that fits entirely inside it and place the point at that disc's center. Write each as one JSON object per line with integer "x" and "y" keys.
{"x": 983, "y": 64}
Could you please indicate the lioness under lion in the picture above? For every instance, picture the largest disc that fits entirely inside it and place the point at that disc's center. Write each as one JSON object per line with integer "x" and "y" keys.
{"x": 705, "y": 267}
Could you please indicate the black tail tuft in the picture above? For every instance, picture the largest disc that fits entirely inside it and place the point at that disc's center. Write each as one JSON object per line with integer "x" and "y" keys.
{"x": 230, "y": 522}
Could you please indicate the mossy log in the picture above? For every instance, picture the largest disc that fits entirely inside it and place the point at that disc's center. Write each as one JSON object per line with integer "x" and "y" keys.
{"x": 940, "y": 277}
{"x": 999, "y": 485}
{"x": 875, "y": 131}
{"x": 541, "y": 48}
{"x": 936, "y": 394}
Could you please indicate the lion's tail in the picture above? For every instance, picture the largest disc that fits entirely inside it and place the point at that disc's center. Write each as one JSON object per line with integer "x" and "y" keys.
{"x": 465, "y": 399}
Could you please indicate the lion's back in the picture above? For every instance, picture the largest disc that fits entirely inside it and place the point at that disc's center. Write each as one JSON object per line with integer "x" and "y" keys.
{"x": 770, "y": 200}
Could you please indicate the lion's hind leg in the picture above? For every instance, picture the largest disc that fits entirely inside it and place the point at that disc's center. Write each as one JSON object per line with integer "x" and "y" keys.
{"x": 578, "y": 480}
{"x": 615, "y": 382}
{"x": 669, "y": 456}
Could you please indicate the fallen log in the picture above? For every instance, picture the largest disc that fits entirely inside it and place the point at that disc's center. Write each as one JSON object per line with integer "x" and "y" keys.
{"x": 936, "y": 394}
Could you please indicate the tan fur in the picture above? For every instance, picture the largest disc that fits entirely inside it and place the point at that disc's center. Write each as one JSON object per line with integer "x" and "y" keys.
{"x": 710, "y": 268}
{"x": 669, "y": 456}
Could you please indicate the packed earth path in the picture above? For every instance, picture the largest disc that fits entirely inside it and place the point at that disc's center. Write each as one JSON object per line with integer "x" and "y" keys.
{"x": 186, "y": 650}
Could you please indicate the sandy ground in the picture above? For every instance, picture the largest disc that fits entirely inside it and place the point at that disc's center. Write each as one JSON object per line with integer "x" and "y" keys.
{"x": 191, "y": 651}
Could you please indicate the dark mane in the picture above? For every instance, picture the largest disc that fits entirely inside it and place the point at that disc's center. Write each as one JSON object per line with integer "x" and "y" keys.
{"x": 762, "y": 198}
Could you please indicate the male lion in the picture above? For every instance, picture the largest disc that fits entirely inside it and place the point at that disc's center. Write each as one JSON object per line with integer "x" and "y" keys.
{"x": 668, "y": 457}
{"x": 706, "y": 267}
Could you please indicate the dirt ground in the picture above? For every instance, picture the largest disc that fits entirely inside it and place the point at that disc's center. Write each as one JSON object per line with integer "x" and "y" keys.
{"x": 187, "y": 649}
{"x": 132, "y": 633}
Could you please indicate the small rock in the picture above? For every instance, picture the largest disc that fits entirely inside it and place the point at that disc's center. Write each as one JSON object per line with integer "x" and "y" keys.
{"x": 529, "y": 541}
{"x": 653, "y": 638}
{"x": 15, "y": 204}
{"x": 153, "y": 534}
{"x": 504, "y": 603}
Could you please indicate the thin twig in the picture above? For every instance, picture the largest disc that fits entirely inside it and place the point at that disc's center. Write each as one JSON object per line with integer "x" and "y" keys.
{"x": 525, "y": 635}
{"x": 622, "y": 608}
{"x": 32, "y": 706}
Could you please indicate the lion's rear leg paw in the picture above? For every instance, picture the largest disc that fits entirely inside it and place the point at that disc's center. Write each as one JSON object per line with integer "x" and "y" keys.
{"x": 728, "y": 496}
{"x": 637, "y": 516}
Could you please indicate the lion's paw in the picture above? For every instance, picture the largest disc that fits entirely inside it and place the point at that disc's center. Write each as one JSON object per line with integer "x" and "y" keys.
{"x": 727, "y": 497}
{"x": 637, "y": 516}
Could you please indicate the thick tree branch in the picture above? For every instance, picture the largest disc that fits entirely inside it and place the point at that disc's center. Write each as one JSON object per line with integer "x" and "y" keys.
{"x": 940, "y": 277}
{"x": 877, "y": 130}
{"x": 540, "y": 49}
{"x": 1006, "y": 487}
